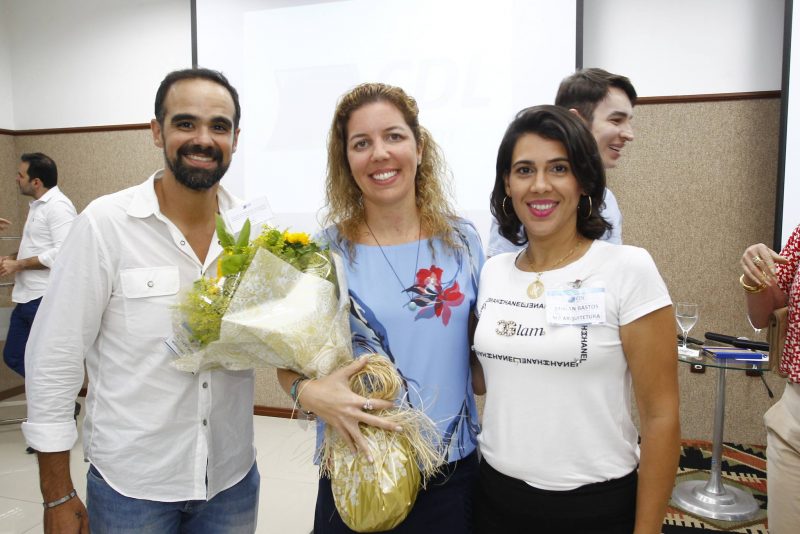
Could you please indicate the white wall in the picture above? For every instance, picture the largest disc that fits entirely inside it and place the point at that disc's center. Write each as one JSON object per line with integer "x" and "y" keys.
{"x": 683, "y": 47}
{"x": 98, "y": 62}
{"x": 6, "y": 94}
{"x": 92, "y": 62}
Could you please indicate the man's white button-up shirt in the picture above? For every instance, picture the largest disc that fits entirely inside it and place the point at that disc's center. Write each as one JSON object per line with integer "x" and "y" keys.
{"x": 49, "y": 220}
{"x": 151, "y": 431}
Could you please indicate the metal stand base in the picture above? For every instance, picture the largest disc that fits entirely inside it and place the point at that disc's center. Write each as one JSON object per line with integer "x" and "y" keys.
{"x": 731, "y": 504}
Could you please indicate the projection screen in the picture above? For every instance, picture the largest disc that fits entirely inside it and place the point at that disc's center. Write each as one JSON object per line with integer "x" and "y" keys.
{"x": 470, "y": 65}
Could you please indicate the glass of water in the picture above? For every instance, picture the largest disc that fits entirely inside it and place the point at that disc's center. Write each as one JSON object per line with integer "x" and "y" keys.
{"x": 686, "y": 315}
{"x": 756, "y": 331}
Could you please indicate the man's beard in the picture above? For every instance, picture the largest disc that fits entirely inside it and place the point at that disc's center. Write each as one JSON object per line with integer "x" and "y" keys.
{"x": 193, "y": 178}
{"x": 26, "y": 190}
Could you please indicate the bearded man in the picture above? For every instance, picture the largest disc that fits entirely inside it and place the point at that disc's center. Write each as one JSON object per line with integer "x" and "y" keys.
{"x": 169, "y": 451}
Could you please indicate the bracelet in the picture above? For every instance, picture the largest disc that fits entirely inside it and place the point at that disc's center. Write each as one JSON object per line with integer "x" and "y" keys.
{"x": 751, "y": 289}
{"x": 293, "y": 388}
{"x": 295, "y": 394}
{"x": 308, "y": 414}
{"x": 52, "y": 504}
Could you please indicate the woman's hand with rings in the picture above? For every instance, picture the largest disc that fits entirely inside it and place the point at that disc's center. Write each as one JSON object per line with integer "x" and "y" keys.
{"x": 759, "y": 265}
{"x": 332, "y": 400}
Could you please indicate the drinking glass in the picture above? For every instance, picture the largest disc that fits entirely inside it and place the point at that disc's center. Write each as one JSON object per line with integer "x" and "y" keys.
{"x": 756, "y": 331}
{"x": 686, "y": 315}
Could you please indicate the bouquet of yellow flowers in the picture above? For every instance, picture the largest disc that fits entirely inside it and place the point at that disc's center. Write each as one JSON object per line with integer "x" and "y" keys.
{"x": 274, "y": 302}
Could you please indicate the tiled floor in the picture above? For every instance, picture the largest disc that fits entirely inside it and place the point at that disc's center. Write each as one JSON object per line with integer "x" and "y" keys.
{"x": 288, "y": 478}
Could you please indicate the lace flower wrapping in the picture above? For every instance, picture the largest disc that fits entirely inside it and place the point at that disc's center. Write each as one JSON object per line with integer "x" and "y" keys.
{"x": 278, "y": 316}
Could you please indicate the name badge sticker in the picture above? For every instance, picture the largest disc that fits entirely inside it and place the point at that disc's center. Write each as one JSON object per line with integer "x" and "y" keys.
{"x": 586, "y": 305}
{"x": 258, "y": 211}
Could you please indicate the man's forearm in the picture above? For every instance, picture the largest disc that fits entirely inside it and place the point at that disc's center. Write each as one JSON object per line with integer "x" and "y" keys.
{"x": 31, "y": 264}
{"x": 66, "y": 513}
{"x": 55, "y": 480}
{"x": 10, "y": 265}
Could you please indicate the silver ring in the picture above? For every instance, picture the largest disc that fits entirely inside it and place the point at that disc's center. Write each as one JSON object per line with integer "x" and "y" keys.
{"x": 367, "y": 405}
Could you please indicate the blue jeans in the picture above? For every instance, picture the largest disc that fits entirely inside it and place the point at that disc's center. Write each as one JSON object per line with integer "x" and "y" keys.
{"x": 233, "y": 511}
{"x": 19, "y": 328}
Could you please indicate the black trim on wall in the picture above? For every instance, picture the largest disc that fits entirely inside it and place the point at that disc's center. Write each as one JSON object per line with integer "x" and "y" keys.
{"x": 787, "y": 56}
{"x": 272, "y": 411}
{"x": 12, "y": 392}
{"x": 194, "y": 33}
{"x": 713, "y": 97}
{"x": 578, "y": 34}
{"x": 79, "y": 129}
{"x": 641, "y": 101}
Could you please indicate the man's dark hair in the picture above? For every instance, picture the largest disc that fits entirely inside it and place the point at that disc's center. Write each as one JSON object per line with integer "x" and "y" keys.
{"x": 584, "y": 89}
{"x": 557, "y": 124}
{"x": 195, "y": 74}
{"x": 42, "y": 167}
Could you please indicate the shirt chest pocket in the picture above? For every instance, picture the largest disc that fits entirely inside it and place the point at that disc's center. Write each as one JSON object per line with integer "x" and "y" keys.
{"x": 35, "y": 226}
{"x": 149, "y": 295}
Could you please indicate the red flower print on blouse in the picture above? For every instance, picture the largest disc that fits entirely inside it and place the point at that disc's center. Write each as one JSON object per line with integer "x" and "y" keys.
{"x": 430, "y": 298}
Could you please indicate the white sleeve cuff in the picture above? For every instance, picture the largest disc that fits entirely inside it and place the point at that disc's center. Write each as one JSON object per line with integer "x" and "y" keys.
{"x": 47, "y": 257}
{"x": 50, "y": 437}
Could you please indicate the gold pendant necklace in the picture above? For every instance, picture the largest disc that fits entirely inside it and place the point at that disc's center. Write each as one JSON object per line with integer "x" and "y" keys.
{"x": 536, "y": 288}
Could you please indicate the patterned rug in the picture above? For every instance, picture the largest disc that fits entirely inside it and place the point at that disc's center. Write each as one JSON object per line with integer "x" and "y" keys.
{"x": 744, "y": 466}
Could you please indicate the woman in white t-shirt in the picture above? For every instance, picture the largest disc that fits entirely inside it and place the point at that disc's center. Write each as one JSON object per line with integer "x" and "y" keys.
{"x": 565, "y": 327}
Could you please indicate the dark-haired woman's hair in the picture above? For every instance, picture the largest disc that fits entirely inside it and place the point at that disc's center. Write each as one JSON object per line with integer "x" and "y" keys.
{"x": 557, "y": 124}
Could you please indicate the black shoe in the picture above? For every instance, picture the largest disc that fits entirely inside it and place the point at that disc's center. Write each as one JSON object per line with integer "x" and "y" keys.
{"x": 77, "y": 410}
{"x": 30, "y": 450}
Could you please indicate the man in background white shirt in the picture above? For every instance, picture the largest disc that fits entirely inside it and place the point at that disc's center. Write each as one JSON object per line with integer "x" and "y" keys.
{"x": 605, "y": 103}
{"x": 50, "y": 216}
{"x": 169, "y": 451}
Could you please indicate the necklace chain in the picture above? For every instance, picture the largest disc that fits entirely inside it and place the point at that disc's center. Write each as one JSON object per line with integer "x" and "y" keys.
{"x": 416, "y": 262}
{"x": 556, "y": 264}
{"x": 536, "y": 288}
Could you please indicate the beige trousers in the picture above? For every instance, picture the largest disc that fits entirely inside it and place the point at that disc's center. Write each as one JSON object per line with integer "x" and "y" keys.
{"x": 783, "y": 462}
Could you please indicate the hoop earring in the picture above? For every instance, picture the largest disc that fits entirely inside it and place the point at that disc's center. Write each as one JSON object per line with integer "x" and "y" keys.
{"x": 589, "y": 213}
{"x": 503, "y": 205}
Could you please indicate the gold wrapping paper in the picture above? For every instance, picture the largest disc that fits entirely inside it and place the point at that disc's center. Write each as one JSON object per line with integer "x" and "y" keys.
{"x": 373, "y": 497}
{"x": 379, "y": 496}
